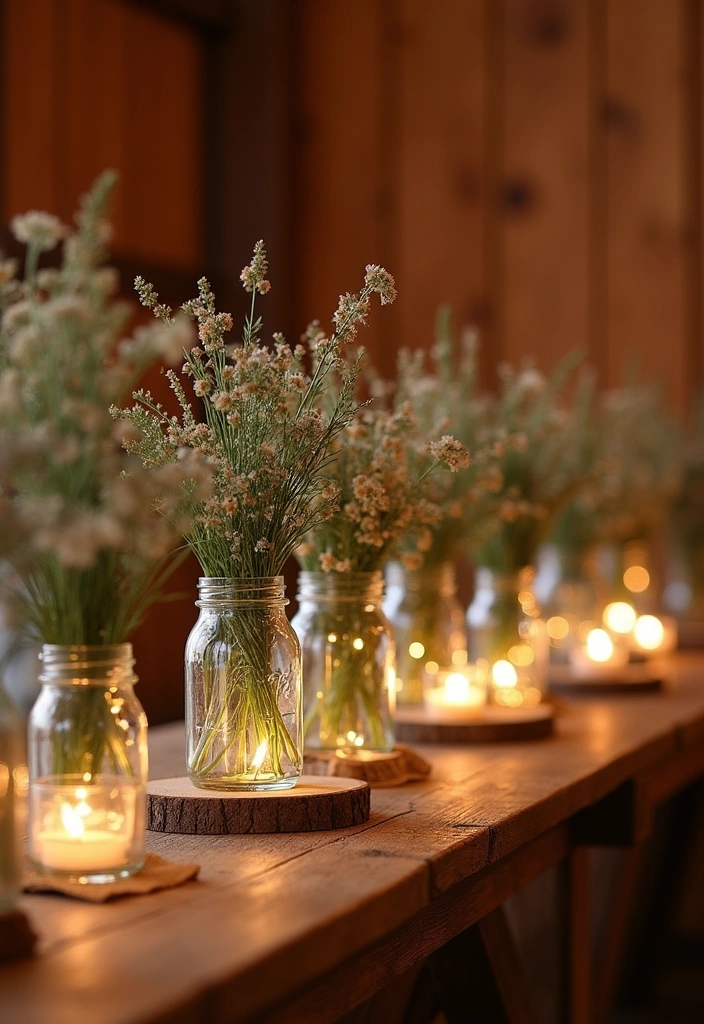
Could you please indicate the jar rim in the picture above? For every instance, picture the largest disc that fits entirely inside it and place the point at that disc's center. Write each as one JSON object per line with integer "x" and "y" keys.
{"x": 88, "y": 664}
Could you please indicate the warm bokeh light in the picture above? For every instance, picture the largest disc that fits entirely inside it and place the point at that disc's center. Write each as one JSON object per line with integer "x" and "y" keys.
{"x": 509, "y": 698}
{"x": 358, "y": 643}
{"x": 459, "y": 657}
{"x": 557, "y": 627}
{"x": 457, "y": 689}
{"x": 649, "y": 632}
{"x": 504, "y": 674}
{"x": 636, "y": 579}
{"x": 521, "y": 655}
{"x": 620, "y": 616}
{"x": 432, "y": 668}
{"x": 600, "y": 646}
{"x": 416, "y": 650}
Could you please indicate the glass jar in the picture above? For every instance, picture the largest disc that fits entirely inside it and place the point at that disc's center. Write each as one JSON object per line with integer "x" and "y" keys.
{"x": 429, "y": 626}
{"x": 565, "y": 589}
{"x": 12, "y": 789}
{"x": 348, "y": 661}
{"x": 87, "y": 751}
{"x": 243, "y": 687}
{"x": 507, "y": 638}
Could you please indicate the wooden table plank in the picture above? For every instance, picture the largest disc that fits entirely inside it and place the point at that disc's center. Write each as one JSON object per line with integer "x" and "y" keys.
{"x": 271, "y": 914}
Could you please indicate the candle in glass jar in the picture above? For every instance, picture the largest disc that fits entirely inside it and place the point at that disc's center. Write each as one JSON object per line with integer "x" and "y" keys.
{"x": 654, "y": 635}
{"x": 82, "y": 829}
{"x": 458, "y": 691}
{"x": 599, "y": 656}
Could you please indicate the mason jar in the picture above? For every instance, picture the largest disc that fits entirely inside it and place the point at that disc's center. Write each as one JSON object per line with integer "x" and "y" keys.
{"x": 243, "y": 687}
{"x": 87, "y": 754}
{"x": 348, "y": 654}
{"x": 507, "y": 638}
{"x": 429, "y": 626}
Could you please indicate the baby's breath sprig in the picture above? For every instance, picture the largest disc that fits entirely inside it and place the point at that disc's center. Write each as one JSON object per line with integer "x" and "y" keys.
{"x": 381, "y": 466}
{"x": 265, "y": 431}
{"x": 95, "y": 551}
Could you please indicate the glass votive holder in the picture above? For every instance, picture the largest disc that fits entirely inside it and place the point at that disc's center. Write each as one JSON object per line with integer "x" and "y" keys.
{"x": 458, "y": 692}
{"x": 92, "y": 831}
{"x": 597, "y": 653}
{"x": 654, "y": 635}
{"x": 87, "y": 765}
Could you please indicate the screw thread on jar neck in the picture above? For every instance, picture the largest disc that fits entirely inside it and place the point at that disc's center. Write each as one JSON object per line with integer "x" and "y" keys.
{"x": 86, "y": 664}
{"x": 218, "y": 590}
{"x": 341, "y": 586}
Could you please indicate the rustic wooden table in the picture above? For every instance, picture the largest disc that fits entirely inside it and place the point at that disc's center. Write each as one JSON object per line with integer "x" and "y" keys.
{"x": 303, "y": 927}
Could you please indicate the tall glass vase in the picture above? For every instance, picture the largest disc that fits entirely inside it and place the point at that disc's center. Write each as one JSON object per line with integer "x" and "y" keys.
{"x": 87, "y": 753}
{"x": 507, "y": 638}
{"x": 348, "y": 661}
{"x": 243, "y": 688}
{"x": 429, "y": 626}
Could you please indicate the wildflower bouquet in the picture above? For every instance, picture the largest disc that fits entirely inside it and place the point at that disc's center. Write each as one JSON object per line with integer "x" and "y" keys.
{"x": 93, "y": 550}
{"x": 270, "y": 445}
{"x": 381, "y": 465}
{"x": 541, "y": 463}
{"x": 445, "y": 395}
{"x": 631, "y": 475}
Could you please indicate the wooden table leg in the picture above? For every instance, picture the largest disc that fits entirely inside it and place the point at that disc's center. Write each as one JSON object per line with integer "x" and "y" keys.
{"x": 577, "y": 985}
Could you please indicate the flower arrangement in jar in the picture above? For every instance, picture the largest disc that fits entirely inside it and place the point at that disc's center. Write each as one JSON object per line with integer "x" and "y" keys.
{"x": 382, "y": 463}
{"x": 421, "y": 592}
{"x": 97, "y": 548}
{"x": 268, "y": 429}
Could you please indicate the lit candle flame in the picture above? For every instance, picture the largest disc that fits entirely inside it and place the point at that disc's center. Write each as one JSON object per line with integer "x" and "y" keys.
{"x": 72, "y": 821}
{"x": 260, "y": 754}
{"x": 503, "y": 673}
{"x": 600, "y": 646}
{"x": 620, "y": 616}
{"x": 649, "y": 632}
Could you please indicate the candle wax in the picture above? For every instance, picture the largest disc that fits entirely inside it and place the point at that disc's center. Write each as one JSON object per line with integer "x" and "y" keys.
{"x": 92, "y": 851}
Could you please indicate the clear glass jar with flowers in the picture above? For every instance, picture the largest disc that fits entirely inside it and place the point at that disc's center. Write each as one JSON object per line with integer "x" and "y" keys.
{"x": 381, "y": 465}
{"x": 541, "y": 465}
{"x": 268, "y": 431}
{"x": 96, "y": 550}
{"x": 421, "y": 596}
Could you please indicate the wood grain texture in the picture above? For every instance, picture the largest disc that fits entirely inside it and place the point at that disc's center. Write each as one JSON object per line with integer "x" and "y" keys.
{"x": 644, "y": 117}
{"x": 441, "y": 192}
{"x": 312, "y": 805}
{"x": 545, "y": 188}
{"x": 301, "y": 927}
{"x": 340, "y": 199}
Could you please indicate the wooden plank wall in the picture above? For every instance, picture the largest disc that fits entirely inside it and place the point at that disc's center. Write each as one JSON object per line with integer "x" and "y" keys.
{"x": 534, "y": 162}
{"x": 90, "y": 84}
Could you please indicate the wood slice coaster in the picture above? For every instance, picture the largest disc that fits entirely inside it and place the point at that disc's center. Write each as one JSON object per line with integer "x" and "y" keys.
{"x": 402, "y": 764}
{"x": 312, "y": 805}
{"x": 633, "y": 678}
{"x": 485, "y": 725}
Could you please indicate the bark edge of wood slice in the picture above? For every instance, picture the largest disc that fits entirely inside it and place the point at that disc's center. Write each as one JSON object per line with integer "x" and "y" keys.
{"x": 313, "y": 805}
{"x": 402, "y": 764}
{"x": 635, "y": 678}
{"x": 490, "y": 725}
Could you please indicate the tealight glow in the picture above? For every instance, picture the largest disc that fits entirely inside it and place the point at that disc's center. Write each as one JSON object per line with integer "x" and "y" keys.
{"x": 620, "y": 617}
{"x": 649, "y": 632}
{"x": 599, "y": 646}
{"x": 504, "y": 674}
